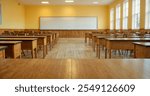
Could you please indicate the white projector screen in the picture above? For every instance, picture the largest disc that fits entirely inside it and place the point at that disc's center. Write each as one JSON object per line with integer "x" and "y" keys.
{"x": 68, "y": 23}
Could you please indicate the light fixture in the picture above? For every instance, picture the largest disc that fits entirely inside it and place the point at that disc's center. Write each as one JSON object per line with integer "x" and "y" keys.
{"x": 45, "y": 2}
{"x": 95, "y": 2}
{"x": 69, "y": 1}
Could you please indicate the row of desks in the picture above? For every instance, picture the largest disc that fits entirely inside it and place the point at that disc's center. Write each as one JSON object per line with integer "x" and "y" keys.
{"x": 122, "y": 44}
{"x": 75, "y": 69}
{"x": 27, "y": 43}
{"x": 109, "y": 43}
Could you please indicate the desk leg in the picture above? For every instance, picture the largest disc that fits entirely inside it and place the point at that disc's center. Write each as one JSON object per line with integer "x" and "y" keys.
{"x": 32, "y": 53}
{"x": 94, "y": 46}
{"x": 85, "y": 39}
{"x": 98, "y": 51}
{"x": 46, "y": 49}
{"x": 35, "y": 52}
{"x": 50, "y": 45}
{"x": 105, "y": 53}
{"x": 89, "y": 40}
{"x": 134, "y": 51}
{"x": 43, "y": 51}
{"x": 109, "y": 53}
{"x": 92, "y": 42}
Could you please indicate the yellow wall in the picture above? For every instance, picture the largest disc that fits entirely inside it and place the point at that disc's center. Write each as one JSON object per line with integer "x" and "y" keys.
{"x": 142, "y": 15}
{"x": 13, "y": 16}
{"x": 33, "y": 13}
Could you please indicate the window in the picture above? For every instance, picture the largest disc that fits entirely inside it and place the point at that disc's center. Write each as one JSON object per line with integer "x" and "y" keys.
{"x": 135, "y": 14}
{"x": 118, "y": 16}
{"x": 125, "y": 14}
{"x": 147, "y": 20}
{"x": 112, "y": 18}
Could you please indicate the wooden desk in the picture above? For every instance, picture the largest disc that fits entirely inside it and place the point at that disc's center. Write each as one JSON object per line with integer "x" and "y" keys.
{"x": 100, "y": 42}
{"x": 75, "y": 69}
{"x": 49, "y": 39}
{"x": 53, "y": 38}
{"x": 141, "y": 49}
{"x": 35, "y": 69}
{"x": 88, "y": 35}
{"x": 94, "y": 39}
{"x": 26, "y": 44}
{"x": 41, "y": 41}
{"x": 13, "y": 50}
{"x": 2, "y": 52}
{"x": 122, "y": 44}
{"x": 110, "y": 69}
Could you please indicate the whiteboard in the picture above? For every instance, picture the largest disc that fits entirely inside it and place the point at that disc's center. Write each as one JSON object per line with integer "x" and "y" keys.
{"x": 68, "y": 23}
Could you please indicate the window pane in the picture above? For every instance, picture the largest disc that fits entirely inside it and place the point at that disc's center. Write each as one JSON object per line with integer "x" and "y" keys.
{"x": 147, "y": 16}
{"x": 125, "y": 14}
{"x": 112, "y": 18}
{"x": 118, "y": 16}
{"x": 135, "y": 14}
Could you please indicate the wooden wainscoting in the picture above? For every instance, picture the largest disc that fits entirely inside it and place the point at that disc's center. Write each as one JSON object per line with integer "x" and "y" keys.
{"x": 66, "y": 33}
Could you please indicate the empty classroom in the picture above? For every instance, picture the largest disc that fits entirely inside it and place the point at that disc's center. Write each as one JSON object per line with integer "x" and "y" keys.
{"x": 74, "y": 39}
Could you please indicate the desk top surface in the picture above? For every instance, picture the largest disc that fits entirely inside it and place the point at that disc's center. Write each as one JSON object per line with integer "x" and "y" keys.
{"x": 3, "y": 47}
{"x": 97, "y": 34}
{"x": 128, "y": 39}
{"x": 18, "y": 39}
{"x": 23, "y": 36}
{"x": 101, "y": 37}
{"x": 44, "y": 35}
{"x": 146, "y": 44}
{"x": 10, "y": 42}
{"x": 75, "y": 69}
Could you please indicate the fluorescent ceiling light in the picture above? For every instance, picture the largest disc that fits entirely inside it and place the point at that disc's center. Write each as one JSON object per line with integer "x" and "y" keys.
{"x": 69, "y": 1}
{"x": 45, "y": 2}
{"x": 95, "y": 2}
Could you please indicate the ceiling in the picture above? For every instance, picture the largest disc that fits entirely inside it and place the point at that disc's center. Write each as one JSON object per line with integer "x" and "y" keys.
{"x": 62, "y": 2}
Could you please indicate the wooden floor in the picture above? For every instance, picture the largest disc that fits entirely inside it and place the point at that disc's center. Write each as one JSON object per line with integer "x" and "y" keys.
{"x": 72, "y": 48}
{"x": 76, "y": 48}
